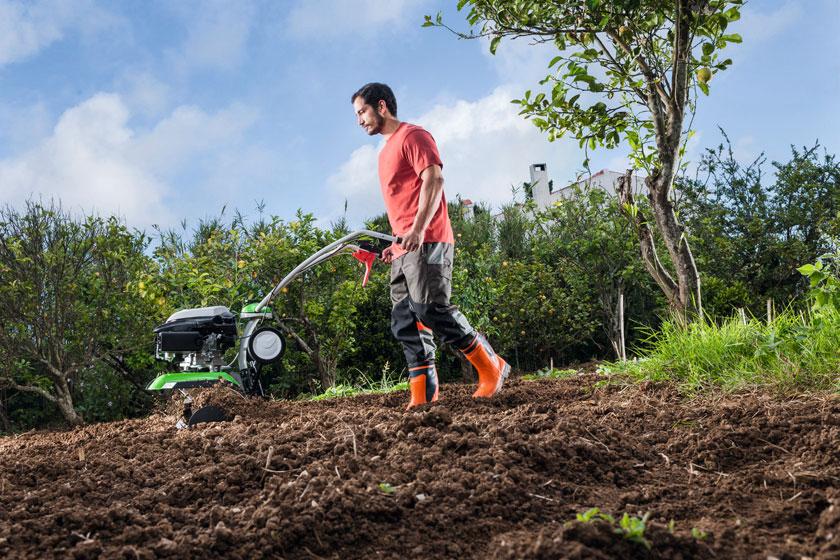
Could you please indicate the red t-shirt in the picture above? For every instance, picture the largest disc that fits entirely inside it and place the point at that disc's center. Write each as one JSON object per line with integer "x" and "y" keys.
{"x": 406, "y": 154}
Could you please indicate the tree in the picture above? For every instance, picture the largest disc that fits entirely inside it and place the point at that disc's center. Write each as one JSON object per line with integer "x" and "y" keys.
{"x": 586, "y": 235}
{"x": 63, "y": 299}
{"x": 752, "y": 234}
{"x": 626, "y": 71}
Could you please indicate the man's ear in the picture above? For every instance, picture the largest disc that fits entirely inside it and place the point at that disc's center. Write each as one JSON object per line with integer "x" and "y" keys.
{"x": 382, "y": 107}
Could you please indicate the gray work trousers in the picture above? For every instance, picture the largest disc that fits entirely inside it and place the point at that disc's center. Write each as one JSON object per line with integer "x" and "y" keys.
{"x": 421, "y": 285}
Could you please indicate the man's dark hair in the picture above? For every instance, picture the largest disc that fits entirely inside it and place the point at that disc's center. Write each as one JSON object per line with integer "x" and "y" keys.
{"x": 373, "y": 92}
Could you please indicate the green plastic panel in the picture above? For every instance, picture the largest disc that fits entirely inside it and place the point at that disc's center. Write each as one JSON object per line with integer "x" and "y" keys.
{"x": 187, "y": 379}
{"x": 252, "y": 308}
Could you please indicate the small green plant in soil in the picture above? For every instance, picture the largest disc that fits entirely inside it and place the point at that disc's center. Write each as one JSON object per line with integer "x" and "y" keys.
{"x": 595, "y": 514}
{"x": 633, "y": 529}
{"x": 630, "y": 527}
{"x": 699, "y": 534}
{"x": 386, "y": 488}
{"x": 549, "y": 373}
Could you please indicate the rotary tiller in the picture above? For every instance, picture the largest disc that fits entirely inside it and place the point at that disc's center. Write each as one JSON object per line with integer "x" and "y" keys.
{"x": 199, "y": 337}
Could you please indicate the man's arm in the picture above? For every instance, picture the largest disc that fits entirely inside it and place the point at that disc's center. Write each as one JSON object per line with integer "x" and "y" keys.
{"x": 431, "y": 191}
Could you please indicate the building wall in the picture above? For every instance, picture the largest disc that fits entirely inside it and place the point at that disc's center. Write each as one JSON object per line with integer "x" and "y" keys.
{"x": 544, "y": 195}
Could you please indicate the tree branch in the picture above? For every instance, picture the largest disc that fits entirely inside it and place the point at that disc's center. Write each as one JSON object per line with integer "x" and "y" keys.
{"x": 681, "y": 53}
{"x": 294, "y": 336}
{"x": 646, "y": 243}
{"x": 6, "y": 382}
{"x": 647, "y": 71}
{"x": 621, "y": 69}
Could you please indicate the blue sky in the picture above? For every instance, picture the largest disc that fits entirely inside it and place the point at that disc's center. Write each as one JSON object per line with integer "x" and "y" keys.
{"x": 165, "y": 110}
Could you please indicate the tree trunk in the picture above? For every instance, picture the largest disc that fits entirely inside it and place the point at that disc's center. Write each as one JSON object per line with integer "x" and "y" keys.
{"x": 609, "y": 306}
{"x": 683, "y": 295}
{"x": 673, "y": 234}
{"x": 468, "y": 373}
{"x": 326, "y": 371}
{"x": 64, "y": 401}
{"x": 5, "y": 423}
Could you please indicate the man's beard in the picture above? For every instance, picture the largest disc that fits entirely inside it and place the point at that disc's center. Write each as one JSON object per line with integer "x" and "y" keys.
{"x": 376, "y": 128}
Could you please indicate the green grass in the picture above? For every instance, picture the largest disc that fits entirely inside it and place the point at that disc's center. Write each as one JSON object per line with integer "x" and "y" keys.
{"x": 793, "y": 351}
{"x": 388, "y": 382}
{"x": 549, "y": 373}
{"x": 338, "y": 391}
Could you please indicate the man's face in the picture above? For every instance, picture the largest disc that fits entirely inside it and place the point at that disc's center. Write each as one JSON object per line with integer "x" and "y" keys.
{"x": 367, "y": 117}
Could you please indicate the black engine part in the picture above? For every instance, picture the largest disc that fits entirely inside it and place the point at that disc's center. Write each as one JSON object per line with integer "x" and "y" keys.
{"x": 188, "y": 335}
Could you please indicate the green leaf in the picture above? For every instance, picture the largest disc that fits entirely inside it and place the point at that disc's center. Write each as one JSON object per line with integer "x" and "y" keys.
{"x": 703, "y": 87}
{"x": 733, "y": 38}
{"x": 494, "y": 43}
{"x": 732, "y": 14}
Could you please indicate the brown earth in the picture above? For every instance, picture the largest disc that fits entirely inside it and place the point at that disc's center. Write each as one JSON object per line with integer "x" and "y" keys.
{"x": 753, "y": 475}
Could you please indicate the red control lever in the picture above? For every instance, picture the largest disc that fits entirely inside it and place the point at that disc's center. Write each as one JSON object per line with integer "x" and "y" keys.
{"x": 367, "y": 258}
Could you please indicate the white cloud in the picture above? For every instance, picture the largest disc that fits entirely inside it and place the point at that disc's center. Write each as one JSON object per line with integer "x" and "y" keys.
{"x": 357, "y": 182}
{"x": 189, "y": 132}
{"x": 85, "y": 164}
{"x": 521, "y": 61}
{"x": 26, "y": 27}
{"x": 334, "y": 18}
{"x": 94, "y": 160}
{"x": 486, "y": 147}
{"x": 143, "y": 92}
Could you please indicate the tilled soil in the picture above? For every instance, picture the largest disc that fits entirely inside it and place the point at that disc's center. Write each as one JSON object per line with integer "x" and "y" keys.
{"x": 728, "y": 476}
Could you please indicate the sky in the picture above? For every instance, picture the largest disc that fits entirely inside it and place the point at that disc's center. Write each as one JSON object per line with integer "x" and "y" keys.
{"x": 170, "y": 110}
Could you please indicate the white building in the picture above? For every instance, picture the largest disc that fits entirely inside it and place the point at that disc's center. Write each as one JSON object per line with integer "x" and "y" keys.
{"x": 544, "y": 192}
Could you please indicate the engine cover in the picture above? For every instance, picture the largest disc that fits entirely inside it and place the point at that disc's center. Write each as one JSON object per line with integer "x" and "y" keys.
{"x": 188, "y": 330}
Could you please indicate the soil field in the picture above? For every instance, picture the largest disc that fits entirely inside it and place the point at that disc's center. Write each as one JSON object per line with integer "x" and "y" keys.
{"x": 735, "y": 476}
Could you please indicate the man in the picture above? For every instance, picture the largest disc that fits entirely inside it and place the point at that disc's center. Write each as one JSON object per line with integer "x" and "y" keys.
{"x": 410, "y": 175}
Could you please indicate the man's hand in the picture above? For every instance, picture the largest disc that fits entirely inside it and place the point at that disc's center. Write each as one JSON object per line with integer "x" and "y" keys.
{"x": 387, "y": 255}
{"x": 413, "y": 240}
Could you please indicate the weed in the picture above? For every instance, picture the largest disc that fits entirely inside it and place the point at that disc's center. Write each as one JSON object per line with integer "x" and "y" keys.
{"x": 550, "y": 373}
{"x": 339, "y": 390}
{"x": 685, "y": 424}
{"x": 630, "y": 527}
{"x": 594, "y": 514}
{"x": 633, "y": 529}
{"x": 365, "y": 385}
{"x": 699, "y": 534}
{"x": 386, "y": 488}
